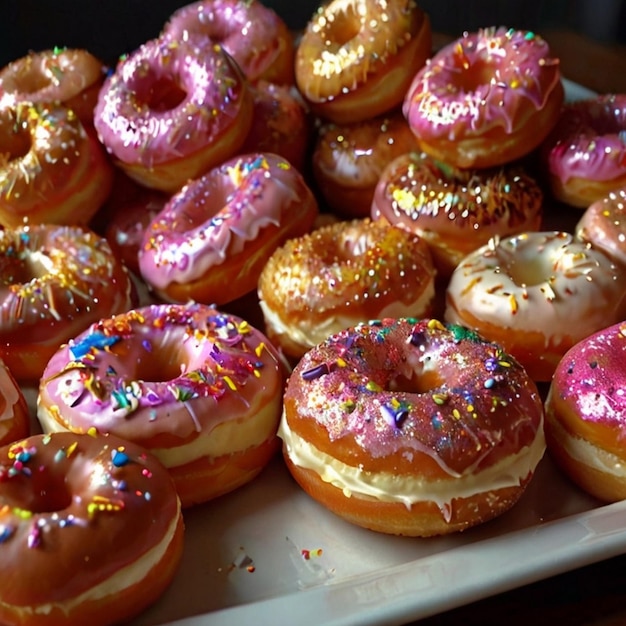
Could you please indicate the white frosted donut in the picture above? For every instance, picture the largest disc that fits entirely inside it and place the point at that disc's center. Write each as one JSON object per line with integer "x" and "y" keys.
{"x": 537, "y": 294}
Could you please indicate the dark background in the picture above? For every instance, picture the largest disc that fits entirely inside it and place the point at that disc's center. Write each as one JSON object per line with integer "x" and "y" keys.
{"x": 109, "y": 28}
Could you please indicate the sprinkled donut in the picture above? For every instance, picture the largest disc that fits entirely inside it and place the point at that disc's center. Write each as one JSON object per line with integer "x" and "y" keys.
{"x": 603, "y": 225}
{"x": 51, "y": 170}
{"x": 54, "y": 282}
{"x": 488, "y": 98}
{"x": 14, "y": 413}
{"x": 199, "y": 388}
{"x": 537, "y": 294}
{"x": 412, "y": 427}
{"x": 212, "y": 239}
{"x": 340, "y": 275}
{"x": 456, "y": 211}
{"x": 253, "y": 34}
{"x": 585, "y": 411}
{"x": 91, "y": 530}
{"x": 585, "y": 155}
{"x": 173, "y": 110}
{"x": 68, "y": 76}
{"x": 356, "y": 58}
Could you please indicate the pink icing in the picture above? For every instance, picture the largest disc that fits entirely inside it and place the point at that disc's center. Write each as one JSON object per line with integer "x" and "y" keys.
{"x": 589, "y": 140}
{"x": 103, "y": 378}
{"x": 479, "y": 82}
{"x": 591, "y": 377}
{"x": 167, "y": 100}
{"x": 215, "y": 216}
{"x": 247, "y": 30}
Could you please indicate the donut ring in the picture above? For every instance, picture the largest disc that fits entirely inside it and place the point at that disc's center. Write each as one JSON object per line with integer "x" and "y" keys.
{"x": 340, "y": 275}
{"x": 456, "y": 211}
{"x": 585, "y": 414}
{"x": 252, "y": 33}
{"x": 54, "y": 281}
{"x": 585, "y": 155}
{"x": 486, "y": 99}
{"x": 412, "y": 427}
{"x": 100, "y": 506}
{"x": 356, "y": 58}
{"x": 537, "y": 294}
{"x": 71, "y": 77}
{"x": 51, "y": 170}
{"x": 199, "y": 388}
{"x": 173, "y": 110}
{"x": 14, "y": 413}
{"x": 212, "y": 239}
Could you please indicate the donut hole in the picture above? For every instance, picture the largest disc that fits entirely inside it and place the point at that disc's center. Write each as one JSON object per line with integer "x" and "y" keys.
{"x": 344, "y": 27}
{"x": 15, "y": 142}
{"x": 24, "y": 268}
{"x": 51, "y": 496}
{"x": 478, "y": 74}
{"x": 418, "y": 382}
{"x": 164, "y": 94}
{"x": 527, "y": 271}
{"x": 30, "y": 82}
{"x": 161, "y": 363}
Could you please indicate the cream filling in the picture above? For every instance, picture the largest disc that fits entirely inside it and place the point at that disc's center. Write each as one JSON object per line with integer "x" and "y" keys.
{"x": 226, "y": 438}
{"x": 589, "y": 454}
{"x": 126, "y": 577}
{"x": 313, "y": 332}
{"x": 388, "y": 487}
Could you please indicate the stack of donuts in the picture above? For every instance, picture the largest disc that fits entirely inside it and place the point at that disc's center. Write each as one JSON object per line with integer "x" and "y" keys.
{"x": 381, "y": 263}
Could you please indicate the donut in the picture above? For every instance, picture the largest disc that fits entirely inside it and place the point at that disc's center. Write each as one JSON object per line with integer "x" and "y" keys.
{"x": 340, "y": 275}
{"x": 51, "y": 171}
{"x": 412, "y": 427}
{"x": 54, "y": 282}
{"x": 173, "y": 110}
{"x": 348, "y": 160}
{"x": 91, "y": 530}
{"x": 199, "y": 388}
{"x": 356, "y": 58}
{"x": 537, "y": 294}
{"x": 212, "y": 238}
{"x": 603, "y": 225}
{"x": 281, "y": 124}
{"x": 488, "y": 98}
{"x": 14, "y": 413}
{"x": 454, "y": 210}
{"x": 253, "y": 34}
{"x": 68, "y": 76}
{"x": 585, "y": 414}
{"x": 585, "y": 155}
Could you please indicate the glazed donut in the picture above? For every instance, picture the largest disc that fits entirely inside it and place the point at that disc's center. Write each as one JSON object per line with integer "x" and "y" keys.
{"x": 603, "y": 225}
{"x": 585, "y": 155}
{"x": 173, "y": 110}
{"x": 51, "y": 170}
{"x": 91, "y": 530}
{"x": 68, "y": 76}
{"x": 212, "y": 239}
{"x": 412, "y": 427}
{"x": 585, "y": 414}
{"x": 199, "y": 388}
{"x": 537, "y": 294}
{"x": 348, "y": 160}
{"x": 253, "y": 34}
{"x": 456, "y": 211}
{"x": 281, "y": 124}
{"x": 356, "y": 58}
{"x": 54, "y": 281}
{"x": 14, "y": 413}
{"x": 485, "y": 99}
{"x": 340, "y": 275}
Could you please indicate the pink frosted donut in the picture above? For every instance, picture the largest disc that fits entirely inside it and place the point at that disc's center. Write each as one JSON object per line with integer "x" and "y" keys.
{"x": 537, "y": 294}
{"x": 253, "y": 34}
{"x": 172, "y": 110}
{"x": 199, "y": 388}
{"x": 585, "y": 409}
{"x": 212, "y": 239}
{"x": 585, "y": 155}
{"x": 485, "y": 99}
{"x": 603, "y": 225}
